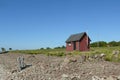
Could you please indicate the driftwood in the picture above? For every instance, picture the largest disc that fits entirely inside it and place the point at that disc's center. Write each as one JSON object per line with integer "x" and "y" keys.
{"x": 21, "y": 63}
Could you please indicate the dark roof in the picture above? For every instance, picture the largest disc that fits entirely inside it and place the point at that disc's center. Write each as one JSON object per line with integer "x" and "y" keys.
{"x": 76, "y": 37}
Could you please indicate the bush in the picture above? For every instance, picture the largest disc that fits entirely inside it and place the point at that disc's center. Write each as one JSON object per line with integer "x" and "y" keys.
{"x": 41, "y": 48}
{"x": 3, "y": 49}
{"x": 10, "y": 49}
{"x": 99, "y": 44}
{"x": 114, "y": 43}
{"x": 62, "y": 47}
{"x": 60, "y": 54}
{"x": 48, "y": 48}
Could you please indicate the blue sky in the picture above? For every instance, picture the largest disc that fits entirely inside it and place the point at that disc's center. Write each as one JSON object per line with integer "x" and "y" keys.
{"x": 32, "y": 24}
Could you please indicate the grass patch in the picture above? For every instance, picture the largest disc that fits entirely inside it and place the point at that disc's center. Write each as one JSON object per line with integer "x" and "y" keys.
{"x": 62, "y": 52}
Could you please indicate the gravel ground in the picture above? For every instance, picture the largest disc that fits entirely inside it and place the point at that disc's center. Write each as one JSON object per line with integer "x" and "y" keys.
{"x": 56, "y": 68}
{"x": 3, "y": 73}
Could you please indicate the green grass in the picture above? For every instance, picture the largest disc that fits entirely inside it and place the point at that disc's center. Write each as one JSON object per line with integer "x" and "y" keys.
{"x": 51, "y": 52}
{"x": 62, "y": 52}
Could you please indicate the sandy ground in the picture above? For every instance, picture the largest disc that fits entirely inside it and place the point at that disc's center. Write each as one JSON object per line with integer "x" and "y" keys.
{"x": 55, "y": 68}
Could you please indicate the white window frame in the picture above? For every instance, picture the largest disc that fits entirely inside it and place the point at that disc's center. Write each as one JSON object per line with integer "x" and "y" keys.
{"x": 69, "y": 44}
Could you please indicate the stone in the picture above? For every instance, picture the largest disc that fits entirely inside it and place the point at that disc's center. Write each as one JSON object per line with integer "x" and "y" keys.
{"x": 112, "y": 78}
{"x": 118, "y": 78}
{"x": 115, "y": 52}
{"x": 83, "y": 58}
{"x": 102, "y": 56}
{"x": 64, "y": 63}
{"x": 13, "y": 71}
{"x": 96, "y": 56}
{"x": 65, "y": 77}
{"x": 73, "y": 60}
{"x": 75, "y": 78}
{"x": 105, "y": 78}
{"x": 96, "y": 78}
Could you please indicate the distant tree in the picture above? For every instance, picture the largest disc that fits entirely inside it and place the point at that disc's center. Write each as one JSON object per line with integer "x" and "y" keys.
{"x": 94, "y": 44}
{"x": 57, "y": 47}
{"x": 105, "y": 44}
{"x": 114, "y": 43}
{"x": 3, "y": 49}
{"x": 48, "y": 48}
{"x": 63, "y": 46}
{"x": 102, "y": 44}
{"x": 10, "y": 49}
{"x": 119, "y": 43}
{"x": 41, "y": 48}
{"x": 99, "y": 44}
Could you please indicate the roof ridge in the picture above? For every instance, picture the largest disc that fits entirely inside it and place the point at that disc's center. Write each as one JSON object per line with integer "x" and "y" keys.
{"x": 75, "y": 37}
{"x": 78, "y": 33}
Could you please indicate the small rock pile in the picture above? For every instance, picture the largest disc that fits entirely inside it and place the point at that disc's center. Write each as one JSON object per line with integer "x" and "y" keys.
{"x": 106, "y": 78}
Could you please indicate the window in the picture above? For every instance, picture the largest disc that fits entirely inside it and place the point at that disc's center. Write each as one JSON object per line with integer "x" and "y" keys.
{"x": 69, "y": 44}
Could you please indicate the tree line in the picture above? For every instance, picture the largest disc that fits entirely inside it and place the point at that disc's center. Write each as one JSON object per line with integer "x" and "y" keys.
{"x": 105, "y": 44}
{"x": 58, "y": 47}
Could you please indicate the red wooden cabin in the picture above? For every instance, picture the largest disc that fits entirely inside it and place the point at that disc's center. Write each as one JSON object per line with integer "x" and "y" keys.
{"x": 80, "y": 42}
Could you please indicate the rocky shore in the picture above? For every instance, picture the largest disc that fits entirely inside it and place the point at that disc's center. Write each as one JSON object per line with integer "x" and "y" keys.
{"x": 44, "y": 67}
